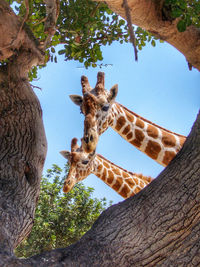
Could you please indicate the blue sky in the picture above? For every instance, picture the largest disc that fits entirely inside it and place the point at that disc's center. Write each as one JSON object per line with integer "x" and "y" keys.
{"x": 159, "y": 87}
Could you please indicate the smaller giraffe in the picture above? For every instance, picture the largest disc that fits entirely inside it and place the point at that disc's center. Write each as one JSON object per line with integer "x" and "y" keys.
{"x": 82, "y": 164}
{"x": 101, "y": 111}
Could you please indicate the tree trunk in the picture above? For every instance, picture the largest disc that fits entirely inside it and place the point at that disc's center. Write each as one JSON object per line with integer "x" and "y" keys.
{"x": 157, "y": 227}
{"x": 150, "y": 15}
{"x": 22, "y": 138}
{"x": 22, "y": 155}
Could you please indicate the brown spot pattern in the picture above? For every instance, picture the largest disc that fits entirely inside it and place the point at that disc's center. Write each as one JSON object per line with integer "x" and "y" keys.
{"x": 106, "y": 164}
{"x": 169, "y": 155}
{"x": 104, "y": 174}
{"x": 110, "y": 174}
{"x": 126, "y": 130}
{"x": 116, "y": 171}
{"x": 124, "y": 192}
{"x": 139, "y": 123}
{"x": 137, "y": 190}
{"x": 131, "y": 182}
{"x": 99, "y": 168}
{"x": 129, "y": 136}
{"x": 152, "y": 131}
{"x": 120, "y": 123}
{"x": 142, "y": 184}
{"x": 125, "y": 175}
{"x": 168, "y": 140}
{"x": 109, "y": 180}
{"x": 129, "y": 117}
{"x": 139, "y": 137}
{"x": 136, "y": 143}
{"x": 152, "y": 149}
{"x": 117, "y": 184}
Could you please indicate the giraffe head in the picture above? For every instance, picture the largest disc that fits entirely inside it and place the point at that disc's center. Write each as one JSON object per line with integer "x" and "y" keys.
{"x": 80, "y": 162}
{"x": 96, "y": 105}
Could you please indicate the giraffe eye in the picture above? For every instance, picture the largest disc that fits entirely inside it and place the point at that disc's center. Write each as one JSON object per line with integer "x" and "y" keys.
{"x": 105, "y": 108}
{"x": 85, "y": 162}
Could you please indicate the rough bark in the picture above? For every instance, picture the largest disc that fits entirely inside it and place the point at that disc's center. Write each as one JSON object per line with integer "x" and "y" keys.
{"x": 157, "y": 227}
{"x": 22, "y": 155}
{"x": 149, "y": 15}
{"x": 22, "y": 137}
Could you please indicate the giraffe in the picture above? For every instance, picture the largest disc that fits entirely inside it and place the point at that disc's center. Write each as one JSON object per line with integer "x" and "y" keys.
{"x": 101, "y": 111}
{"x": 82, "y": 164}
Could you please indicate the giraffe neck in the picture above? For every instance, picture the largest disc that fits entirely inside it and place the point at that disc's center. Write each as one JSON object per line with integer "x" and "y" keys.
{"x": 123, "y": 182}
{"x": 155, "y": 141}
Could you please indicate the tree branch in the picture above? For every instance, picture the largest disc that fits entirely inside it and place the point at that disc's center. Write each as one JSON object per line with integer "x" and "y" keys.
{"x": 130, "y": 27}
{"x": 148, "y": 15}
{"x": 16, "y": 38}
{"x": 52, "y": 12}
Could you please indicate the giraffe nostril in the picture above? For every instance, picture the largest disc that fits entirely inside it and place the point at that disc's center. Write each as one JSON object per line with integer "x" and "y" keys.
{"x": 86, "y": 139}
{"x": 91, "y": 138}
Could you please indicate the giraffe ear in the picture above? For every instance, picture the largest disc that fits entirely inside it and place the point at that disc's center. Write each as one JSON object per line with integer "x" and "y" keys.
{"x": 77, "y": 99}
{"x": 65, "y": 154}
{"x": 113, "y": 93}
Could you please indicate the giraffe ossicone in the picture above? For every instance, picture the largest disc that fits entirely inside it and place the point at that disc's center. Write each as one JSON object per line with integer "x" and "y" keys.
{"x": 101, "y": 111}
{"x": 82, "y": 164}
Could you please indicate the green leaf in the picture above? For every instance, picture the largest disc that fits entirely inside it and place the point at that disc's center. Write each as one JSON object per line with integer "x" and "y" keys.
{"x": 153, "y": 43}
{"x": 121, "y": 22}
{"x": 176, "y": 13}
{"x": 181, "y": 26}
{"x": 53, "y": 50}
{"x": 61, "y": 52}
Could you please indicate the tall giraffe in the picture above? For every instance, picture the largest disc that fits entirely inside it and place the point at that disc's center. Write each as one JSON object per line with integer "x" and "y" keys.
{"x": 82, "y": 164}
{"x": 101, "y": 111}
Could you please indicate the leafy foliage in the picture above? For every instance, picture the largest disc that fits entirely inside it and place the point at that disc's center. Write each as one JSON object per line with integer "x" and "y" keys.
{"x": 83, "y": 27}
{"x": 187, "y": 11}
{"x": 60, "y": 219}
